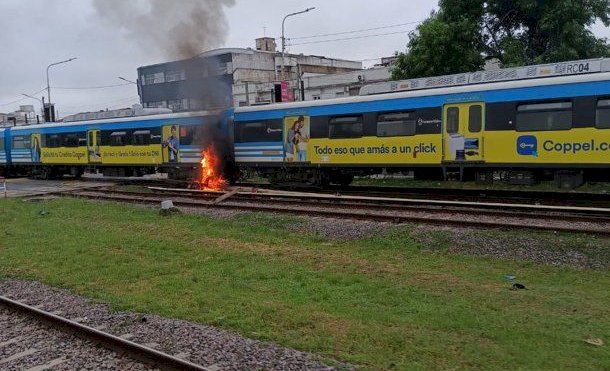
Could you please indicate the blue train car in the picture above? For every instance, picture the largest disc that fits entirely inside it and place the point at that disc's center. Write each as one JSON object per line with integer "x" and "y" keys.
{"x": 553, "y": 124}
{"x": 4, "y": 159}
{"x": 129, "y": 146}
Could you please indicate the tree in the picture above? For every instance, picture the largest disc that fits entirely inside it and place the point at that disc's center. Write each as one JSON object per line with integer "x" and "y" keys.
{"x": 463, "y": 34}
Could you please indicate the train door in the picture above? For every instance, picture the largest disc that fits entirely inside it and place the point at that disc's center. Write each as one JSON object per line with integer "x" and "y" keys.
{"x": 171, "y": 144}
{"x": 463, "y": 131}
{"x": 93, "y": 146}
{"x": 36, "y": 148}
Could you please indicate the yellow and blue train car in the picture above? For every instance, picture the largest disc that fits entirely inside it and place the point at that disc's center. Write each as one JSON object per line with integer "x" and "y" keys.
{"x": 124, "y": 146}
{"x": 3, "y": 154}
{"x": 553, "y": 124}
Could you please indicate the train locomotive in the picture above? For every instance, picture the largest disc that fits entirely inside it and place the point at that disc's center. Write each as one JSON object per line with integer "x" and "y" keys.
{"x": 529, "y": 122}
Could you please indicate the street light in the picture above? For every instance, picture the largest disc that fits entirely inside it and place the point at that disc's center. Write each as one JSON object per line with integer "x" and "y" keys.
{"x": 48, "y": 84}
{"x": 129, "y": 81}
{"x": 284, "y": 37}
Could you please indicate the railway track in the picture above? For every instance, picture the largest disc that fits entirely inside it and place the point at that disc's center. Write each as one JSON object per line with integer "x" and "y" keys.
{"x": 53, "y": 329}
{"x": 394, "y": 210}
{"x": 556, "y": 198}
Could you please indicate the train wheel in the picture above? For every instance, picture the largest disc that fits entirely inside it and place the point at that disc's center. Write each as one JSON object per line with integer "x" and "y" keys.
{"x": 46, "y": 173}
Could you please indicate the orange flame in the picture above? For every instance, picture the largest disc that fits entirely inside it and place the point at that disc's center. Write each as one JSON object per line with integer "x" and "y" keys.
{"x": 211, "y": 177}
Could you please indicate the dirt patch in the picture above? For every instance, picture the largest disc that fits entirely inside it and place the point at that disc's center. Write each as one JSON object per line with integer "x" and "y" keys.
{"x": 340, "y": 229}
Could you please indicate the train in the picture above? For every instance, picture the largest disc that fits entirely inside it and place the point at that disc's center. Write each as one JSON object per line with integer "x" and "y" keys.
{"x": 526, "y": 123}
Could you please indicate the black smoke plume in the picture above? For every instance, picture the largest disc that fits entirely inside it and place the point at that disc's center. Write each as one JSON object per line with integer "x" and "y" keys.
{"x": 180, "y": 28}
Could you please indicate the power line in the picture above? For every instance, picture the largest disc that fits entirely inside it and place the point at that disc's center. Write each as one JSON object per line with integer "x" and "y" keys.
{"x": 350, "y": 38}
{"x": 92, "y": 87}
{"x": 354, "y": 31}
{"x": 105, "y": 104}
{"x": 22, "y": 99}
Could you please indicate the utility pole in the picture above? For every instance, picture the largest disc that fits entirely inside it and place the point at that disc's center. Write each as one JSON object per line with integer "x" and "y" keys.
{"x": 282, "y": 75}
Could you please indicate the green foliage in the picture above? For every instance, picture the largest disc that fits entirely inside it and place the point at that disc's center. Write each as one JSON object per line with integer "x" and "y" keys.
{"x": 384, "y": 302}
{"x": 463, "y": 34}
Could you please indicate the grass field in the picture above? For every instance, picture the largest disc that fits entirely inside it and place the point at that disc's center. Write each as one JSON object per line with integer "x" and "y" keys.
{"x": 383, "y": 302}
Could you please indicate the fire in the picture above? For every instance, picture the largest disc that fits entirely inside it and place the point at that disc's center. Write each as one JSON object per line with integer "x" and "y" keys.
{"x": 211, "y": 176}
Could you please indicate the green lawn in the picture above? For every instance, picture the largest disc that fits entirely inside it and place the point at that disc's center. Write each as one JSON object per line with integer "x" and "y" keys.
{"x": 384, "y": 302}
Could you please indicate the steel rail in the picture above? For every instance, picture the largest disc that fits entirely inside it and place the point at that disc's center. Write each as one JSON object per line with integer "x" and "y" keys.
{"x": 404, "y": 201}
{"x": 472, "y": 209}
{"x": 362, "y": 215}
{"x": 136, "y": 351}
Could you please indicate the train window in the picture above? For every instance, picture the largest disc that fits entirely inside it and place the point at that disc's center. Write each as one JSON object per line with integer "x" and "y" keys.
{"x": 71, "y": 140}
{"x": 263, "y": 131}
{"x": 345, "y": 127}
{"x": 397, "y": 124}
{"x": 475, "y": 119}
{"x": 119, "y": 138}
{"x": 544, "y": 116}
{"x": 21, "y": 142}
{"x": 602, "y": 120}
{"x": 453, "y": 120}
{"x": 141, "y": 137}
{"x": 2, "y": 144}
{"x": 52, "y": 141}
{"x": 155, "y": 136}
{"x": 188, "y": 135}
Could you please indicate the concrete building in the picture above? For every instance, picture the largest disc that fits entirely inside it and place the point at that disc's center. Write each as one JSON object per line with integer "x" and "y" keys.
{"x": 25, "y": 115}
{"x": 233, "y": 77}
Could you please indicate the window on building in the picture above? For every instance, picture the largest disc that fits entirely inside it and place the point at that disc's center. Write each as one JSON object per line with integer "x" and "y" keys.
{"x": 261, "y": 131}
{"x": 544, "y": 116}
{"x": 171, "y": 76}
{"x": 141, "y": 138}
{"x": 21, "y": 142}
{"x": 177, "y": 104}
{"x": 396, "y": 124}
{"x": 453, "y": 120}
{"x": 159, "y": 104}
{"x": 119, "y": 138}
{"x": 475, "y": 119}
{"x": 603, "y": 114}
{"x": 345, "y": 127}
{"x": 154, "y": 78}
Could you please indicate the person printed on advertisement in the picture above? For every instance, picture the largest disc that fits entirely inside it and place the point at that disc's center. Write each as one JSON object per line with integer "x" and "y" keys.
{"x": 173, "y": 145}
{"x": 301, "y": 139}
{"x": 36, "y": 152}
{"x": 289, "y": 146}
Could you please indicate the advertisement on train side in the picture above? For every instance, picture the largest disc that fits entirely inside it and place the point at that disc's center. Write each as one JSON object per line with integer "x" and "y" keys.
{"x": 420, "y": 149}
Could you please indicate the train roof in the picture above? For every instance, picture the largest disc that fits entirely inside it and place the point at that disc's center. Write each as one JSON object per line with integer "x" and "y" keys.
{"x": 540, "y": 71}
{"x": 117, "y": 120}
{"x": 503, "y": 85}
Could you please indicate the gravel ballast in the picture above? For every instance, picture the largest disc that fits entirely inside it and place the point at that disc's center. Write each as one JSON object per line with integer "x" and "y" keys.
{"x": 204, "y": 345}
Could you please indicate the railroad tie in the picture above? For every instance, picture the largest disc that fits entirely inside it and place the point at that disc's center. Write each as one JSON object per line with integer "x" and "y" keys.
{"x": 23, "y": 354}
{"x": 11, "y": 341}
{"x": 48, "y": 365}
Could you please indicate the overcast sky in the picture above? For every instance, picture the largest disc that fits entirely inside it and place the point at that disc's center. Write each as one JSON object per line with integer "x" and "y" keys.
{"x": 35, "y": 33}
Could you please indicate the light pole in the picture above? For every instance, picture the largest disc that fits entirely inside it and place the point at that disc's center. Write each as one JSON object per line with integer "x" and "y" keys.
{"x": 48, "y": 84}
{"x": 284, "y": 36}
{"x": 126, "y": 80}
